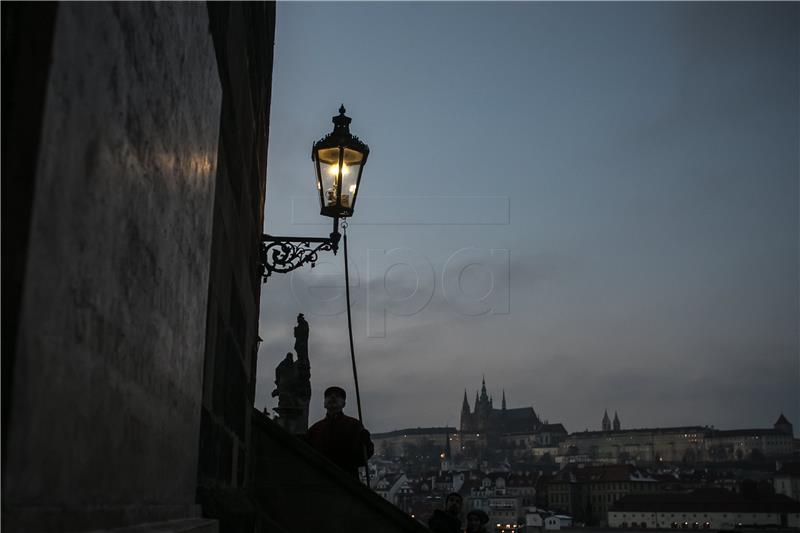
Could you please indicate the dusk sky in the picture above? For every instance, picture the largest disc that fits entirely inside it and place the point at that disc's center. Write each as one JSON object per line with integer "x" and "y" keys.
{"x": 595, "y": 205}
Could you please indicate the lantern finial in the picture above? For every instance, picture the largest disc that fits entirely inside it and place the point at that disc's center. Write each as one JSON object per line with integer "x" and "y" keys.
{"x": 341, "y": 122}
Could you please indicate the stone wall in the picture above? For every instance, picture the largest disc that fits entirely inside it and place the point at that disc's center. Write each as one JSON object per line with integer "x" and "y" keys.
{"x": 243, "y": 36}
{"x": 107, "y": 383}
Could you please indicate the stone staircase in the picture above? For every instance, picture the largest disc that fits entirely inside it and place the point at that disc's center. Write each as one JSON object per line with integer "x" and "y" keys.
{"x": 302, "y": 491}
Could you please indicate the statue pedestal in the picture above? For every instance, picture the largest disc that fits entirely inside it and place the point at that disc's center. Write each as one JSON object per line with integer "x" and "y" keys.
{"x": 292, "y": 419}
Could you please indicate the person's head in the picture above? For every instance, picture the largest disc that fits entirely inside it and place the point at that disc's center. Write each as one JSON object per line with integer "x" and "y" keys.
{"x": 453, "y": 503}
{"x": 335, "y": 399}
{"x": 289, "y": 356}
{"x": 476, "y": 519}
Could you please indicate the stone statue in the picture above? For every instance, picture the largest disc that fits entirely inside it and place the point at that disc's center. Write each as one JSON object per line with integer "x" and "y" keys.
{"x": 293, "y": 383}
{"x": 285, "y": 378}
{"x": 302, "y": 388}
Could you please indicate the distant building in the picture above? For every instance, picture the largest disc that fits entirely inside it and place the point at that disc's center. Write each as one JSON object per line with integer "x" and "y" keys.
{"x": 516, "y": 430}
{"x": 784, "y": 426}
{"x": 399, "y": 443}
{"x": 647, "y": 445}
{"x": 606, "y": 423}
{"x": 738, "y": 444}
{"x": 704, "y": 508}
{"x": 542, "y": 520}
{"x": 485, "y": 418}
{"x": 524, "y": 486}
{"x": 587, "y": 492}
{"x": 492, "y": 495}
{"x": 443, "y": 483}
{"x": 685, "y": 444}
{"x": 787, "y": 480}
{"x": 389, "y": 488}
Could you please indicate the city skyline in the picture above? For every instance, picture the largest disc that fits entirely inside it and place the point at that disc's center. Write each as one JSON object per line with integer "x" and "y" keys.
{"x": 495, "y": 395}
{"x": 594, "y": 205}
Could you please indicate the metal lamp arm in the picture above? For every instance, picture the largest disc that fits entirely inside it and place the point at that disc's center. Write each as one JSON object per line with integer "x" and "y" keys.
{"x": 284, "y": 254}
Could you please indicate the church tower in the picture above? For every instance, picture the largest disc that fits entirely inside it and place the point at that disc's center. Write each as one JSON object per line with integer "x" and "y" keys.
{"x": 616, "y": 422}
{"x": 504, "y": 400}
{"x": 484, "y": 396}
{"x": 784, "y": 426}
{"x": 606, "y": 422}
{"x": 482, "y": 409}
{"x": 465, "y": 415}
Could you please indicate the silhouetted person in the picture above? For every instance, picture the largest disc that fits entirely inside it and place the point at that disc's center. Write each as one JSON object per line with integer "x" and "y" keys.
{"x": 476, "y": 521}
{"x": 449, "y": 520}
{"x": 340, "y": 438}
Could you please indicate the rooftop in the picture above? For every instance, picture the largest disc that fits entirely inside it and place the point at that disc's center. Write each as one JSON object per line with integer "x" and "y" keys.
{"x": 706, "y": 500}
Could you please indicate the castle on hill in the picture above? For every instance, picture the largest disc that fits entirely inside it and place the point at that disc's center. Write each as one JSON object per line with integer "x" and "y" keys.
{"x": 518, "y": 431}
{"x": 485, "y": 418}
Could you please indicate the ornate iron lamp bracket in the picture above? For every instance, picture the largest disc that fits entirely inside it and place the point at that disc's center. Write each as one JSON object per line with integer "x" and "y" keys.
{"x": 284, "y": 254}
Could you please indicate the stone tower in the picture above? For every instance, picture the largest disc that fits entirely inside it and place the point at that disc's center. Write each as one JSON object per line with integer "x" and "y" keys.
{"x": 784, "y": 426}
{"x": 465, "y": 413}
{"x": 606, "y": 422}
{"x": 482, "y": 409}
{"x": 616, "y": 422}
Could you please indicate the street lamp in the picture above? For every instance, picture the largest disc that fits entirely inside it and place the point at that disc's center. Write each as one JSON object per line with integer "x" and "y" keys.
{"x": 339, "y": 160}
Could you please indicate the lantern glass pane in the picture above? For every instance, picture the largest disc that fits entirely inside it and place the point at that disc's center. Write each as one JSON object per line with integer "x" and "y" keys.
{"x": 350, "y": 171}
{"x": 328, "y": 173}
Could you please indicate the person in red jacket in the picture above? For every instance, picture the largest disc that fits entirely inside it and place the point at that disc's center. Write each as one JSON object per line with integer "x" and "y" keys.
{"x": 340, "y": 438}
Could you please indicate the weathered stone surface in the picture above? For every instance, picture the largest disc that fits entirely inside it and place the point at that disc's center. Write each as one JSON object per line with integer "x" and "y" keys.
{"x": 243, "y": 38}
{"x": 107, "y": 384}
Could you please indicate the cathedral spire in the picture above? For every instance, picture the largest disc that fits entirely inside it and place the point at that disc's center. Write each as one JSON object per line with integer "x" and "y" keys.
{"x": 465, "y": 404}
{"x": 504, "y": 400}
{"x": 616, "y": 422}
{"x": 484, "y": 396}
{"x": 606, "y": 421}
